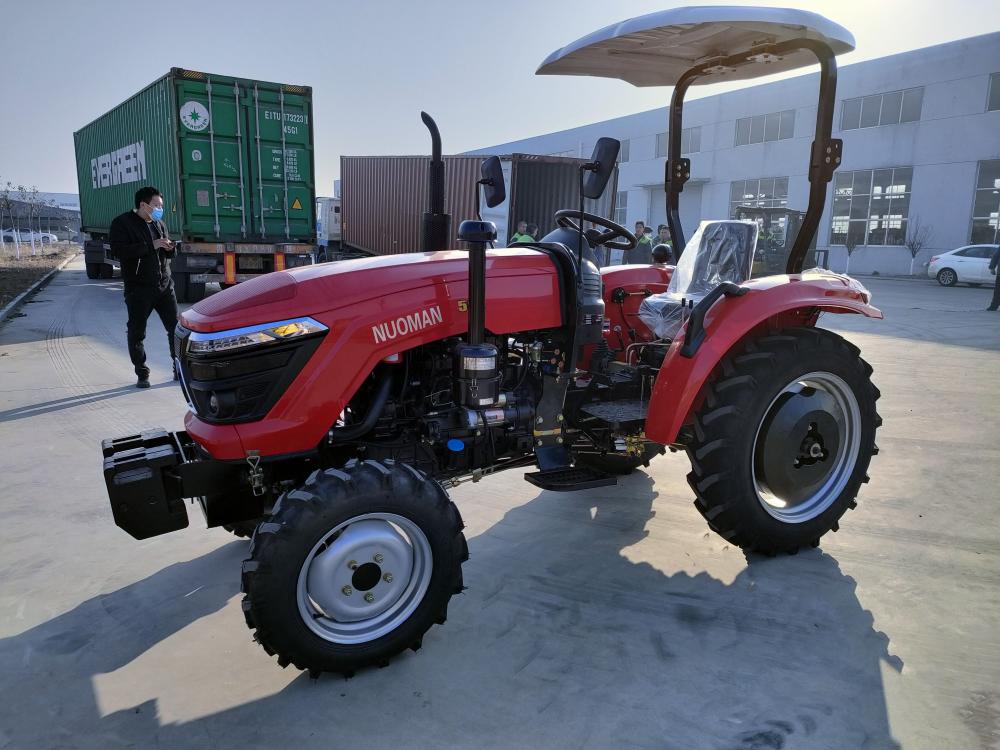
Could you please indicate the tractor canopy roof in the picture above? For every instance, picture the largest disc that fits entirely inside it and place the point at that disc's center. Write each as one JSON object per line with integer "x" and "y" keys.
{"x": 658, "y": 48}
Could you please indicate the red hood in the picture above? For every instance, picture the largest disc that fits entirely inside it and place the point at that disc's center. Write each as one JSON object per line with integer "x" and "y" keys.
{"x": 313, "y": 290}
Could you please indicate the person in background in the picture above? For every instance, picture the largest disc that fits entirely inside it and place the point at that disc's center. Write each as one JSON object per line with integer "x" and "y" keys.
{"x": 532, "y": 232}
{"x": 643, "y": 251}
{"x": 994, "y": 268}
{"x": 521, "y": 235}
{"x": 661, "y": 255}
{"x": 663, "y": 240}
{"x": 140, "y": 241}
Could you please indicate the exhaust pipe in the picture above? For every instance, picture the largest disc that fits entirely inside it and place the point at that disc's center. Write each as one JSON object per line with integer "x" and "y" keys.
{"x": 436, "y": 228}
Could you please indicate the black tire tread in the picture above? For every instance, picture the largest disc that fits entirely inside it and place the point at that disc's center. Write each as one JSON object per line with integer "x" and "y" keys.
{"x": 293, "y": 521}
{"x": 726, "y": 397}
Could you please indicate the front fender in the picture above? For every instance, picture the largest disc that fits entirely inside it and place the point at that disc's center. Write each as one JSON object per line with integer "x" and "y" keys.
{"x": 773, "y": 302}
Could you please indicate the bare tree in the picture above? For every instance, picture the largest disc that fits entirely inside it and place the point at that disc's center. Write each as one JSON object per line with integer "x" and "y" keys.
{"x": 850, "y": 244}
{"x": 917, "y": 236}
{"x": 7, "y": 209}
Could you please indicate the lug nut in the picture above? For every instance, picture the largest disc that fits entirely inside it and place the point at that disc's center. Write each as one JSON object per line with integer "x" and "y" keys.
{"x": 387, "y": 578}
{"x": 379, "y": 558}
{"x": 353, "y": 564}
{"x": 347, "y": 590}
{"x": 369, "y": 597}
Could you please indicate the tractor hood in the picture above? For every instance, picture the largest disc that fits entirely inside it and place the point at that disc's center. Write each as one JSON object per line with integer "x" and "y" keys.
{"x": 335, "y": 291}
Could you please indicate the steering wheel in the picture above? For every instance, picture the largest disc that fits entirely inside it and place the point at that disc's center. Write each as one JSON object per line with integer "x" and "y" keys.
{"x": 567, "y": 218}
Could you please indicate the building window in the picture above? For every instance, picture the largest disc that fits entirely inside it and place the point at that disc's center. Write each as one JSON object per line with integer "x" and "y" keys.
{"x": 993, "y": 98}
{"x": 623, "y": 152}
{"x": 890, "y": 108}
{"x": 775, "y": 126}
{"x": 871, "y": 206}
{"x": 986, "y": 206}
{"x": 690, "y": 141}
{"x": 621, "y": 207}
{"x": 765, "y": 192}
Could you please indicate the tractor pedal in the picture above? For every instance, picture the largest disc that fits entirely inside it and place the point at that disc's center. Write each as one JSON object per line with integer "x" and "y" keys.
{"x": 570, "y": 479}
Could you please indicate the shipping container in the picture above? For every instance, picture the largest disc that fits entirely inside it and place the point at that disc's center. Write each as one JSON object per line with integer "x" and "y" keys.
{"x": 384, "y": 197}
{"x": 233, "y": 159}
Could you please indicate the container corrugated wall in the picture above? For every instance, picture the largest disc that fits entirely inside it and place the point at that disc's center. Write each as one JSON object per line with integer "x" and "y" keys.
{"x": 195, "y": 136}
{"x": 132, "y": 145}
{"x": 542, "y": 185}
{"x": 384, "y": 199}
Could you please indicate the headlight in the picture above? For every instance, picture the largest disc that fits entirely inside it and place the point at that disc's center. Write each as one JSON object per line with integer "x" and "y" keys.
{"x": 245, "y": 338}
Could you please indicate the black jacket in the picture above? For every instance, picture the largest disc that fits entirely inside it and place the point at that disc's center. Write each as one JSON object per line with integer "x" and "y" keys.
{"x": 995, "y": 260}
{"x": 132, "y": 243}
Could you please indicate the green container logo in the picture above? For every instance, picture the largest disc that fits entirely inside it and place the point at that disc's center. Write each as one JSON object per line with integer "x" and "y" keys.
{"x": 194, "y": 116}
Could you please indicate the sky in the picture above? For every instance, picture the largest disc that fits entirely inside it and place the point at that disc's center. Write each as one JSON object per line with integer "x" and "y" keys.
{"x": 373, "y": 65}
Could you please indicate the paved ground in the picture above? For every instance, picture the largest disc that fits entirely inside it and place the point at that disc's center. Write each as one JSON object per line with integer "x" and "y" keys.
{"x": 595, "y": 620}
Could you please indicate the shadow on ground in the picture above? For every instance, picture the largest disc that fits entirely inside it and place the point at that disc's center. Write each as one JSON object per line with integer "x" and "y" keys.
{"x": 560, "y": 641}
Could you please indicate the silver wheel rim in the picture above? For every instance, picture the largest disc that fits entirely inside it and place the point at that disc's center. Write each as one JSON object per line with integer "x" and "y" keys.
{"x": 947, "y": 277}
{"x": 816, "y": 423}
{"x": 364, "y": 578}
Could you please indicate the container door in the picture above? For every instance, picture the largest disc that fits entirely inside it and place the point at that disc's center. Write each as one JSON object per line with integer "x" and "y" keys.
{"x": 281, "y": 163}
{"x": 214, "y": 168}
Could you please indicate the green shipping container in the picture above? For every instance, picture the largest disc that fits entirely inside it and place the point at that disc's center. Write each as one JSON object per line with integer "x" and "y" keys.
{"x": 233, "y": 158}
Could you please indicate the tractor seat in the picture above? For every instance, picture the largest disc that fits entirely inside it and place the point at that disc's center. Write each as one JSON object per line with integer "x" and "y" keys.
{"x": 719, "y": 251}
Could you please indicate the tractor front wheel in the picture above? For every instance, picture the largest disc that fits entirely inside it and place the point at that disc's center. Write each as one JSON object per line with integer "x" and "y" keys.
{"x": 353, "y": 567}
{"x": 783, "y": 440}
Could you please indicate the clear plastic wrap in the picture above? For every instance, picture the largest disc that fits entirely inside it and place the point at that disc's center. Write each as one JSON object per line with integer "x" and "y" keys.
{"x": 719, "y": 251}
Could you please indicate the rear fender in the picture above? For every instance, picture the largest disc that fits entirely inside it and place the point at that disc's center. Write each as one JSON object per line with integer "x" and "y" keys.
{"x": 772, "y": 303}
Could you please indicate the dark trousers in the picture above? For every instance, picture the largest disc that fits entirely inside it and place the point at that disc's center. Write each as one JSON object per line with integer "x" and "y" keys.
{"x": 141, "y": 301}
{"x": 996, "y": 292}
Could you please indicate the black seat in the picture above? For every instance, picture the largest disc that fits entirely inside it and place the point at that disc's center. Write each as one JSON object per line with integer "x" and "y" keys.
{"x": 719, "y": 251}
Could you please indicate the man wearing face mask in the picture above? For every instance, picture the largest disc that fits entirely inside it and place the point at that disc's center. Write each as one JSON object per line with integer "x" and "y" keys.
{"x": 140, "y": 241}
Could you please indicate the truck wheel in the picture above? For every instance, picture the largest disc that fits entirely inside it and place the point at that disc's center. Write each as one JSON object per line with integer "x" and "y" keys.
{"x": 107, "y": 271}
{"x": 195, "y": 292}
{"x": 353, "y": 567}
{"x": 783, "y": 440}
{"x": 93, "y": 270}
{"x": 617, "y": 463}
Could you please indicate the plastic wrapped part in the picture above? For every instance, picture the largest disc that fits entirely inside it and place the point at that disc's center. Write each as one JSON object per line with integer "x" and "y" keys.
{"x": 719, "y": 251}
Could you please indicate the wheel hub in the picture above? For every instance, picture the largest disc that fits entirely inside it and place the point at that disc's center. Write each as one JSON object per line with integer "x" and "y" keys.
{"x": 806, "y": 447}
{"x": 364, "y": 577}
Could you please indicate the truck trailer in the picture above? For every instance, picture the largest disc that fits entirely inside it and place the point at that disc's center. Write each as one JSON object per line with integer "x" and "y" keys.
{"x": 383, "y": 221}
{"x": 233, "y": 158}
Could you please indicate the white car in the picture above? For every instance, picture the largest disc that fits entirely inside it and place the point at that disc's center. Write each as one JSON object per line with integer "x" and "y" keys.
{"x": 966, "y": 265}
{"x": 26, "y": 235}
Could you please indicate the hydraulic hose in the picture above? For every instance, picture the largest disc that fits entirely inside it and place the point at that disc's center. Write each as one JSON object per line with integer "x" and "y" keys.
{"x": 354, "y": 431}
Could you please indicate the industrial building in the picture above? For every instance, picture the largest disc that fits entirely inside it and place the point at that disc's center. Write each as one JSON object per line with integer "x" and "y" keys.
{"x": 921, "y": 133}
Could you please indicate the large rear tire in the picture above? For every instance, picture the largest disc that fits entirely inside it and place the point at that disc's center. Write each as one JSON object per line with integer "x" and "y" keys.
{"x": 783, "y": 440}
{"x": 94, "y": 270}
{"x": 353, "y": 567}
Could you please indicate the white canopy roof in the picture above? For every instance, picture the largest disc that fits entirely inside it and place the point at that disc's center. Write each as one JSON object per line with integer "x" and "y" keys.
{"x": 656, "y": 49}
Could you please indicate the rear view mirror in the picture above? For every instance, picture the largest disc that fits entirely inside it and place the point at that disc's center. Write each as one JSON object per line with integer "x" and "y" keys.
{"x": 492, "y": 181}
{"x": 604, "y": 159}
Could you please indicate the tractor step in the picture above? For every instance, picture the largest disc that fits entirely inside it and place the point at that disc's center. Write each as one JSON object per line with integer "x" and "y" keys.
{"x": 570, "y": 478}
{"x": 619, "y": 415}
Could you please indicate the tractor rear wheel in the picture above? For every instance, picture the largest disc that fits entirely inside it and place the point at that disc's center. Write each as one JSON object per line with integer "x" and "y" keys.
{"x": 242, "y": 529}
{"x": 783, "y": 439}
{"x": 353, "y": 567}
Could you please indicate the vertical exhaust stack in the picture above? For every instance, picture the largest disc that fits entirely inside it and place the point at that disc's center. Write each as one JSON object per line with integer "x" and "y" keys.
{"x": 436, "y": 227}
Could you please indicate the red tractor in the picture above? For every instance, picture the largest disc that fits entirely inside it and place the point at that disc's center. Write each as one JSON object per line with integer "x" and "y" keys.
{"x": 331, "y": 406}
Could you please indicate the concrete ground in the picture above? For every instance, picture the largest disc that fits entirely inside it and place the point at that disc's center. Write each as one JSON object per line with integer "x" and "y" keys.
{"x": 601, "y": 619}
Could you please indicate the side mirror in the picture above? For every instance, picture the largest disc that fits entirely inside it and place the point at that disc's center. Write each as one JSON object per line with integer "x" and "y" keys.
{"x": 603, "y": 164}
{"x": 492, "y": 181}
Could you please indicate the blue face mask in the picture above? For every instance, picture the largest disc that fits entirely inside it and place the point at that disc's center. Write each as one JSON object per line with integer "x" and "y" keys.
{"x": 156, "y": 214}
